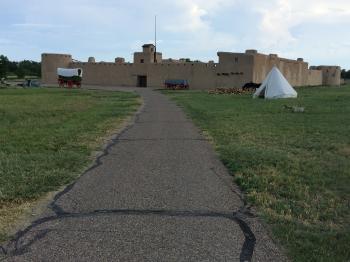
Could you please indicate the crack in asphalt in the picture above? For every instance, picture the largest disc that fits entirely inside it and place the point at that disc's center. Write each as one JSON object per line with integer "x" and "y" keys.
{"x": 24, "y": 248}
{"x": 164, "y": 122}
{"x": 14, "y": 247}
{"x": 98, "y": 162}
{"x": 162, "y": 139}
{"x": 245, "y": 208}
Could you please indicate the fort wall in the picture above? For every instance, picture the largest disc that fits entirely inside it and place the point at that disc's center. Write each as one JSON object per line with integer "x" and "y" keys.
{"x": 331, "y": 74}
{"x": 105, "y": 74}
{"x": 199, "y": 76}
{"x": 315, "y": 77}
{"x": 232, "y": 71}
{"x": 296, "y": 72}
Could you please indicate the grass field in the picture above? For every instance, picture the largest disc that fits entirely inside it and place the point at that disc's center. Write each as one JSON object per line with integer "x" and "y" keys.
{"x": 47, "y": 137}
{"x": 294, "y": 167}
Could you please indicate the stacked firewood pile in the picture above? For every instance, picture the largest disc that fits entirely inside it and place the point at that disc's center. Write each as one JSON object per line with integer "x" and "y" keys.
{"x": 231, "y": 91}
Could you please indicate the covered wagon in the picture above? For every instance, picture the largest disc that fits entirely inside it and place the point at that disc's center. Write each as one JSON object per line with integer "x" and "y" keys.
{"x": 69, "y": 77}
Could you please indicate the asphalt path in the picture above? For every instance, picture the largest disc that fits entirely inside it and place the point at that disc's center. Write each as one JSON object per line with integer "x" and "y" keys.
{"x": 157, "y": 193}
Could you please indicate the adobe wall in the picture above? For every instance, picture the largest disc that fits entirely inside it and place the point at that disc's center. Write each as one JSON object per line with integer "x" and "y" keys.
{"x": 106, "y": 74}
{"x": 234, "y": 69}
{"x": 49, "y": 65}
{"x": 199, "y": 76}
{"x": 314, "y": 77}
{"x": 146, "y": 57}
{"x": 331, "y": 74}
{"x": 296, "y": 72}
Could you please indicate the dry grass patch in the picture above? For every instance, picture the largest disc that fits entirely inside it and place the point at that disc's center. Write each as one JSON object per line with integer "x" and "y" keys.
{"x": 47, "y": 138}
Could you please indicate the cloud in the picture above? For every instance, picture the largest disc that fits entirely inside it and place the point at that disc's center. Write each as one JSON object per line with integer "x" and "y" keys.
{"x": 191, "y": 20}
{"x": 313, "y": 29}
{"x": 40, "y": 26}
{"x": 281, "y": 16}
{"x": 194, "y": 15}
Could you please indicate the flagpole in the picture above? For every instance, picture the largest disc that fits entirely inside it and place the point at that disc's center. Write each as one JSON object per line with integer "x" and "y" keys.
{"x": 155, "y": 39}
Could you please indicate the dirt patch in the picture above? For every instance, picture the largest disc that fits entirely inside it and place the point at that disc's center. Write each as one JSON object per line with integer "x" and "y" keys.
{"x": 17, "y": 215}
{"x": 345, "y": 151}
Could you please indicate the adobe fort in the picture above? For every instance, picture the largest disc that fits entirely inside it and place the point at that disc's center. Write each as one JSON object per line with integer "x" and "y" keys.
{"x": 149, "y": 69}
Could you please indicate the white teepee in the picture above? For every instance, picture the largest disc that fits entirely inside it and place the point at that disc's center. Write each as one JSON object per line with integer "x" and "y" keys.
{"x": 275, "y": 86}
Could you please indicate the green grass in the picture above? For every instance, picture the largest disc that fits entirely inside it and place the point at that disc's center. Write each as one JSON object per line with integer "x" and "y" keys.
{"x": 47, "y": 137}
{"x": 294, "y": 167}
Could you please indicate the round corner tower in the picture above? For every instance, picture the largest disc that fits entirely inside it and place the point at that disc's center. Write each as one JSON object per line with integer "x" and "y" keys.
{"x": 49, "y": 65}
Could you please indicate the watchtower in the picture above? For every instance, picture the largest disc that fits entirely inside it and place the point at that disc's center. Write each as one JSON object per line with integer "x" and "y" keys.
{"x": 49, "y": 65}
{"x": 147, "y": 55}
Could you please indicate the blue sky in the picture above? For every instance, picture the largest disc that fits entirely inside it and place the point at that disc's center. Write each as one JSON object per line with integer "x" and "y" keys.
{"x": 317, "y": 30}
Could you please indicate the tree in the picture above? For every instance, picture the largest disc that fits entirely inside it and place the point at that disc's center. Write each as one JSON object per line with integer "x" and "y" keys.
{"x": 30, "y": 68}
{"x": 12, "y": 67}
{"x": 20, "y": 72}
{"x": 345, "y": 74}
{"x": 3, "y": 66}
{"x": 21, "y": 69}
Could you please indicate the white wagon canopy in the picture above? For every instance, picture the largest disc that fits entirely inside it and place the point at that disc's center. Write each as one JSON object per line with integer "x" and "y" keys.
{"x": 275, "y": 86}
{"x": 69, "y": 77}
{"x": 70, "y": 72}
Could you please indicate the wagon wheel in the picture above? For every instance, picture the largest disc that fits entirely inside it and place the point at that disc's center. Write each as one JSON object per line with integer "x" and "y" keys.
{"x": 70, "y": 84}
{"x": 61, "y": 83}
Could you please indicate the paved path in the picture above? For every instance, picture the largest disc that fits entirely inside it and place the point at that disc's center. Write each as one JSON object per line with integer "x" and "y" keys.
{"x": 158, "y": 193}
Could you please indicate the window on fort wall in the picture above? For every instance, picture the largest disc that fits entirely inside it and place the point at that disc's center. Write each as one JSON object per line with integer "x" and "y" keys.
{"x": 236, "y": 59}
{"x": 142, "y": 61}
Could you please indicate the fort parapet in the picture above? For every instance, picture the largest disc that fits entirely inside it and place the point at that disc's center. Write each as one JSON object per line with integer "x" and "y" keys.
{"x": 150, "y": 69}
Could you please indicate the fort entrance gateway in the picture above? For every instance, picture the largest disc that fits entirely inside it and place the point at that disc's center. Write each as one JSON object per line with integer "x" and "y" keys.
{"x": 141, "y": 81}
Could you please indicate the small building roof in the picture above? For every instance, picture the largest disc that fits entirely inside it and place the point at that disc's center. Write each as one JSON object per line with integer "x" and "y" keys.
{"x": 148, "y": 45}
